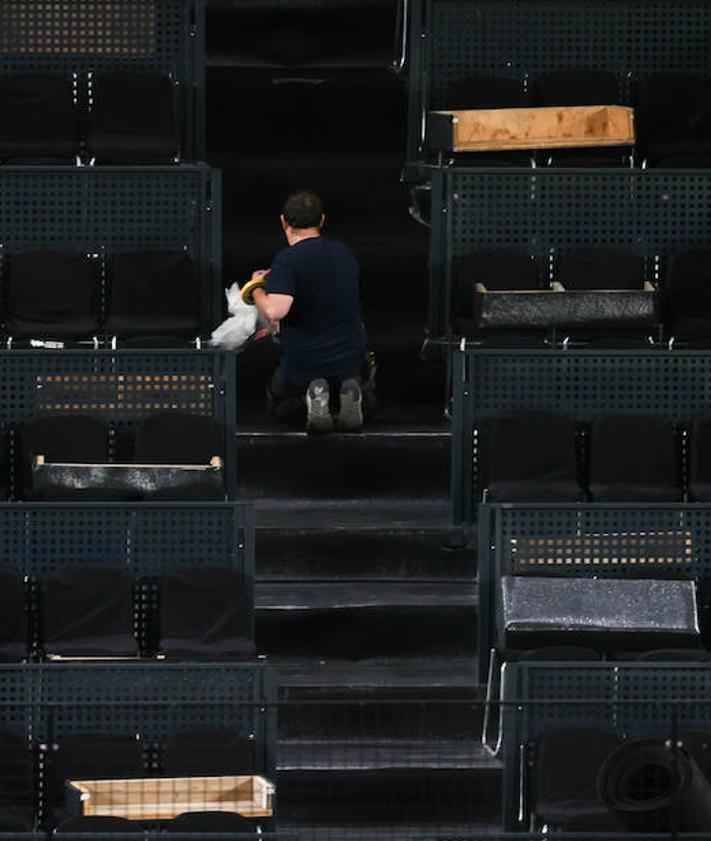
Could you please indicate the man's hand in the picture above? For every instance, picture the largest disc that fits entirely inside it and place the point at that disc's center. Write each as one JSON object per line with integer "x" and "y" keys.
{"x": 257, "y": 281}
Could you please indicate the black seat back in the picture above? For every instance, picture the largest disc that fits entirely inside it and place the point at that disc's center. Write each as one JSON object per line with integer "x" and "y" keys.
{"x": 132, "y": 103}
{"x": 600, "y": 268}
{"x": 576, "y": 87}
{"x": 208, "y": 753}
{"x": 486, "y": 92}
{"x": 13, "y": 617}
{"x": 177, "y": 438}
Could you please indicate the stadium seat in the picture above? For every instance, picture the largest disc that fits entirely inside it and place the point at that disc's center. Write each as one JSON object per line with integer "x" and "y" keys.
{"x": 154, "y": 293}
{"x": 61, "y": 438}
{"x": 700, "y": 460}
{"x": 633, "y": 458}
{"x": 17, "y": 782}
{"x": 51, "y": 295}
{"x": 567, "y": 763}
{"x": 499, "y": 270}
{"x": 13, "y": 617}
{"x": 489, "y": 92}
{"x": 531, "y": 457}
{"x": 572, "y": 87}
{"x": 96, "y": 825}
{"x": 204, "y": 613}
{"x": 211, "y": 822}
{"x": 133, "y": 119}
{"x": 179, "y": 438}
{"x": 673, "y": 117}
{"x": 673, "y": 655}
{"x": 88, "y": 756}
{"x": 687, "y": 295}
{"x": 208, "y": 753}
{"x": 88, "y": 612}
{"x": 600, "y": 268}
{"x": 38, "y": 121}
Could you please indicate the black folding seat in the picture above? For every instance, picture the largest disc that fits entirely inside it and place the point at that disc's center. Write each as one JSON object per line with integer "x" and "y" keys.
{"x": 88, "y": 756}
{"x": 133, "y": 119}
{"x": 17, "y": 782}
{"x": 78, "y": 439}
{"x": 208, "y": 753}
{"x": 179, "y": 438}
{"x": 96, "y": 825}
{"x": 687, "y": 295}
{"x": 566, "y": 768}
{"x": 87, "y": 611}
{"x": 633, "y": 458}
{"x": 51, "y": 294}
{"x": 499, "y": 270}
{"x": 572, "y": 87}
{"x": 13, "y": 617}
{"x": 673, "y": 118}
{"x": 700, "y": 460}
{"x": 486, "y": 92}
{"x": 154, "y": 293}
{"x": 531, "y": 457}
{"x": 37, "y": 119}
{"x": 211, "y": 822}
{"x": 204, "y": 613}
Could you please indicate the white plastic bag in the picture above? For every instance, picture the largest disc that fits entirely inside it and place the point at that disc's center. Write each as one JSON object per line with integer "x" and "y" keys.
{"x": 236, "y": 330}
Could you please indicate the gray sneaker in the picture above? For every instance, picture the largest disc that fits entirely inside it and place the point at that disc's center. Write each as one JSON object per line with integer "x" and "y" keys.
{"x": 350, "y": 417}
{"x": 318, "y": 414}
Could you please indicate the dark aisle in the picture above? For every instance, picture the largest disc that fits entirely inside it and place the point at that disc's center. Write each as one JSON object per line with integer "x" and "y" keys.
{"x": 358, "y": 596}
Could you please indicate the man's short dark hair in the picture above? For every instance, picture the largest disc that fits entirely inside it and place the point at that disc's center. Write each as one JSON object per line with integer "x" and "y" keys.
{"x": 303, "y": 210}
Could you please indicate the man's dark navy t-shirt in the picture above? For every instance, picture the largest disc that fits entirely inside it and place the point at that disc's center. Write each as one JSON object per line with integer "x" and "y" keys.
{"x": 323, "y": 334}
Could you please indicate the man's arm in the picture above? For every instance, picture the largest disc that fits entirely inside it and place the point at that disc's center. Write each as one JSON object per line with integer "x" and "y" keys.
{"x": 272, "y": 306}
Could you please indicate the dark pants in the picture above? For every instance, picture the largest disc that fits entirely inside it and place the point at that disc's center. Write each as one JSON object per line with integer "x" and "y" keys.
{"x": 287, "y": 397}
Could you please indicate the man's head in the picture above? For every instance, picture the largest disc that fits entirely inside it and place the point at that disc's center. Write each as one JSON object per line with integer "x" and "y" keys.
{"x": 302, "y": 216}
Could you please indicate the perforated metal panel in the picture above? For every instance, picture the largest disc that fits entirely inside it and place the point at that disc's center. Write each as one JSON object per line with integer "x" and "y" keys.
{"x": 164, "y": 36}
{"x": 653, "y": 212}
{"x": 584, "y": 384}
{"x": 109, "y": 210}
{"x": 451, "y": 39}
{"x": 639, "y": 700}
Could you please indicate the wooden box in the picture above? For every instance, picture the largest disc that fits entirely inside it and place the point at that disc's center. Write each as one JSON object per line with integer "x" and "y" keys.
{"x": 505, "y": 129}
{"x": 162, "y": 798}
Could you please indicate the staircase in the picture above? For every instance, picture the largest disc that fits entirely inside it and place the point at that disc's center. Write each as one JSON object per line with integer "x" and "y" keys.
{"x": 363, "y": 604}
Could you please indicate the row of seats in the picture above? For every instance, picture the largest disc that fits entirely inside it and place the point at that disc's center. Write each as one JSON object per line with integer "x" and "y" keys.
{"x": 685, "y": 292}
{"x": 90, "y": 611}
{"x": 60, "y": 295}
{"x": 130, "y": 119}
{"x": 167, "y": 437}
{"x": 672, "y": 114}
{"x": 26, "y": 769}
{"x": 536, "y": 457}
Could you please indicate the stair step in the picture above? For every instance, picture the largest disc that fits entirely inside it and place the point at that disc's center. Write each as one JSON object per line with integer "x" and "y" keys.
{"x": 367, "y": 464}
{"x": 392, "y": 831}
{"x": 382, "y": 754}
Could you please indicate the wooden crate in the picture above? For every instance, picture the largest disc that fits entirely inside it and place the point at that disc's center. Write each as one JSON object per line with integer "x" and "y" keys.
{"x": 162, "y": 798}
{"x": 503, "y": 129}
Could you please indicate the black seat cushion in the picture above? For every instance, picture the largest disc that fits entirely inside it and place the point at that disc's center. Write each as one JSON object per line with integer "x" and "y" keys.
{"x": 687, "y": 293}
{"x": 13, "y": 617}
{"x": 154, "y": 292}
{"x": 205, "y": 613}
{"x": 673, "y": 117}
{"x": 633, "y": 459}
{"x": 600, "y": 268}
{"x": 211, "y": 822}
{"x": 486, "y": 92}
{"x": 576, "y": 86}
{"x": 96, "y": 825}
{"x": 700, "y": 461}
{"x": 531, "y": 457}
{"x": 88, "y": 756}
{"x": 132, "y": 119}
{"x": 88, "y": 611}
{"x": 567, "y": 763}
{"x": 52, "y": 295}
{"x": 209, "y": 753}
{"x": 61, "y": 438}
{"x": 17, "y": 783}
{"x": 37, "y": 118}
